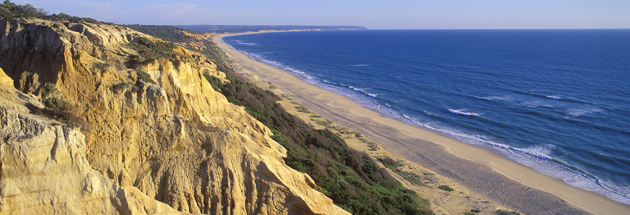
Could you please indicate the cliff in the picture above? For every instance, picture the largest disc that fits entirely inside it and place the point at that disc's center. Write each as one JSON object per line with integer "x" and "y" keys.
{"x": 154, "y": 136}
{"x": 44, "y": 169}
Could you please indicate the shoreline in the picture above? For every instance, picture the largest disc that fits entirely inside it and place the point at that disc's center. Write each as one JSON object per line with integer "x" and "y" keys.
{"x": 479, "y": 170}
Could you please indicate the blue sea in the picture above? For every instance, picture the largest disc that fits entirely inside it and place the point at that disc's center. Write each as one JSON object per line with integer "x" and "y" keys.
{"x": 555, "y": 100}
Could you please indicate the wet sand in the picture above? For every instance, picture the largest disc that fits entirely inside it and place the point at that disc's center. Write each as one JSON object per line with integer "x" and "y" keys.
{"x": 481, "y": 171}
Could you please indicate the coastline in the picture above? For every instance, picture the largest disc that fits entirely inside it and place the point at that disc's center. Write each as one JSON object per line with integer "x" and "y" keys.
{"x": 479, "y": 170}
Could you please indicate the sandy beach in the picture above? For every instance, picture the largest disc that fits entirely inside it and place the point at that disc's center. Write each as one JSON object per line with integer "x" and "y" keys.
{"x": 478, "y": 170}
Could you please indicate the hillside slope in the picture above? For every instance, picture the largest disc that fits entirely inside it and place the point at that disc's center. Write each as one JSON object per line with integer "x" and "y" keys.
{"x": 151, "y": 122}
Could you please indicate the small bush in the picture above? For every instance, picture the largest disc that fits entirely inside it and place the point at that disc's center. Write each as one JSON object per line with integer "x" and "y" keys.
{"x": 58, "y": 109}
{"x": 48, "y": 89}
{"x": 120, "y": 86}
{"x": 389, "y": 162}
{"x": 302, "y": 109}
{"x": 54, "y": 102}
{"x": 12, "y": 11}
{"x": 446, "y": 187}
{"x": 145, "y": 77}
{"x": 149, "y": 51}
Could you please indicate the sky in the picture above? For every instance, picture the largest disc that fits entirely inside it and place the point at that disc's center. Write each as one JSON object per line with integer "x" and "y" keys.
{"x": 373, "y": 14}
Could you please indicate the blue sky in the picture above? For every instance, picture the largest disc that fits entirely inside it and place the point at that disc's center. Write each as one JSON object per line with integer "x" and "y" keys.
{"x": 373, "y": 14}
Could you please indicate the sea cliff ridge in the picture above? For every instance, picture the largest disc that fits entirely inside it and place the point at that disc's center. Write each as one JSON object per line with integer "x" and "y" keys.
{"x": 134, "y": 137}
{"x": 99, "y": 118}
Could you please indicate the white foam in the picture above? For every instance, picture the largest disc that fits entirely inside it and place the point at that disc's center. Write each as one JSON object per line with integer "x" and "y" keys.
{"x": 281, "y": 66}
{"x": 463, "y": 112}
{"x": 537, "y": 157}
{"x": 412, "y": 120}
{"x": 358, "y": 89}
{"x": 556, "y": 97}
{"x": 541, "y": 151}
{"x": 536, "y": 104}
{"x": 579, "y": 112}
{"x": 247, "y": 44}
{"x": 495, "y": 98}
{"x": 430, "y": 114}
{"x": 573, "y": 177}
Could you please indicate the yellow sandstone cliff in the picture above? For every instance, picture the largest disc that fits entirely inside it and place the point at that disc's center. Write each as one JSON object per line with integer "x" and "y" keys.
{"x": 167, "y": 144}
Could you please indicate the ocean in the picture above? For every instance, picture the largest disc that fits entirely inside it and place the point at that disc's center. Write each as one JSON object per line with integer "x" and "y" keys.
{"x": 557, "y": 101}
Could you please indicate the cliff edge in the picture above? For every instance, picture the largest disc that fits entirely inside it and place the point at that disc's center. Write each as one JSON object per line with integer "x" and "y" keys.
{"x": 138, "y": 133}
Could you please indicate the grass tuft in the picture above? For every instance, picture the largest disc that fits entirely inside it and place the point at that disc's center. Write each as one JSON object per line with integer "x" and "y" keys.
{"x": 446, "y": 187}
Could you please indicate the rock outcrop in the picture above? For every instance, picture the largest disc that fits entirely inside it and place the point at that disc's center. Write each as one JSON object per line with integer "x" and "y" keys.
{"x": 44, "y": 169}
{"x": 168, "y": 137}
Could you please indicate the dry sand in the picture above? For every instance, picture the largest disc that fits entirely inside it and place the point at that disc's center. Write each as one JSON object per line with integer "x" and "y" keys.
{"x": 479, "y": 171}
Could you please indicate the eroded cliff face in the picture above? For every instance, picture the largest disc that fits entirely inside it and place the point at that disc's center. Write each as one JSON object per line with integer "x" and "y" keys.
{"x": 172, "y": 137}
{"x": 44, "y": 169}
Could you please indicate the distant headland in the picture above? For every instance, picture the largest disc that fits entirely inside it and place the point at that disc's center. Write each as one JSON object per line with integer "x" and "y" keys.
{"x": 255, "y": 28}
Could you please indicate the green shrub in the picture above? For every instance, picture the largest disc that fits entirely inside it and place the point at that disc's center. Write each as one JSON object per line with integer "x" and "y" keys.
{"x": 149, "y": 51}
{"x": 120, "y": 86}
{"x": 54, "y": 102}
{"x": 446, "y": 187}
{"x": 47, "y": 89}
{"x": 12, "y": 11}
{"x": 58, "y": 109}
{"x": 389, "y": 162}
{"x": 145, "y": 77}
{"x": 302, "y": 109}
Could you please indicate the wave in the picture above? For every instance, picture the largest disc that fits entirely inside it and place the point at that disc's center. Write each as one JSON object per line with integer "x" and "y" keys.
{"x": 462, "y": 112}
{"x": 535, "y": 104}
{"x": 575, "y": 112}
{"x": 358, "y": 65}
{"x": 301, "y": 74}
{"x": 541, "y": 151}
{"x": 555, "y": 97}
{"x": 431, "y": 114}
{"x": 358, "y": 89}
{"x": 246, "y": 44}
{"x": 495, "y": 98}
{"x": 539, "y": 157}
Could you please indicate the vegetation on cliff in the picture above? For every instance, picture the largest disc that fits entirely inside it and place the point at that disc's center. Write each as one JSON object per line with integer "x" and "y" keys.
{"x": 168, "y": 33}
{"x": 350, "y": 178}
{"x": 183, "y": 38}
{"x": 149, "y": 51}
{"x": 12, "y": 11}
